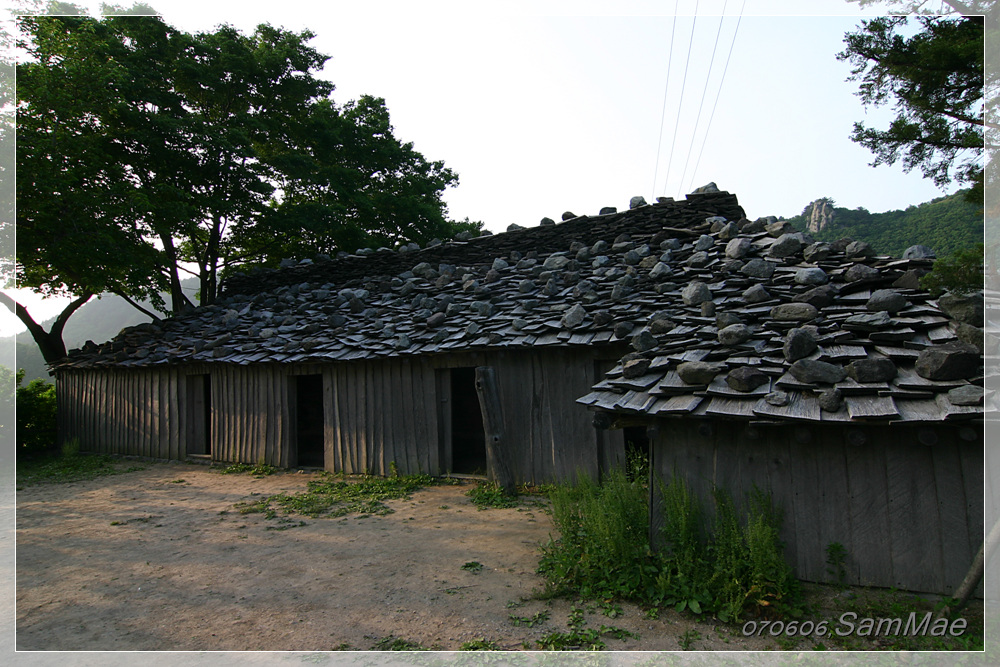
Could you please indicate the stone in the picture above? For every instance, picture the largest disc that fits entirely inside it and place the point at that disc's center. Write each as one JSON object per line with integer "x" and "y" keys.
{"x": 952, "y": 361}
{"x": 918, "y": 252}
{"x": 860, "y": 272}
{"x": 568, "y": 215}
{"x": 620, "y": 291}
{"x": 786, "y": 245}
{"x": 738, "y": 248}
{"x": 698, "y": 372}
{"x": 794, "y": 312}
{"x": 518, "y": 323}
{"x": 872, "y": 370}
{"x": 599, "y": 247}
{"x": 818, "y": 297}
{"x": 756, "y": 294}
{"x": 632, "y": 257}
{"x": 602, "y": 318}
{"x": 403, "y": 342}
{"x": 472, "y": 329}
{"x": 703, "y": 243}
{"x": 811, "y": 276}
{"x": 643, "y": 341}
{"x": 734, "y": 334}
{"x": 967, "y": 394}
{"x": 607, "y": 210}
{"x": 888, "y": 300}
{"x": 634, "y": 368}
{"x": 964, "y": 308}
{"x": 697, "y": 260}
{"x": 746, "y": 378}
{"x": 799, "y": 343}
{"x": 546, "y": 222}
{"x": 695, "y": 293}
{"x": 705, "y": 189}
{"x": 723, "y": 320}
{"x": 636, "y": 202}
{"x": 778, "y": 399}
{"x": 910, "y": 279}
{"x": 707, "y": 309}
{"x": 436, "y": 320}
{"x": 526, "y": 286}
{"x": 660, "y": 270}
{"x": 555, "y": 262}
{"x": 574, "y": 317}
{"x": 660, "y": 327}
{"x": 623, "y": 329}
{"x": 716, "y": 220}
{"x": 867, "y": 321}
{"x": 500, "y": 264}
{"x": 812, "y": 371}
{"x": 513, "y": 227}
{"x": 583, "y": 255}
{"x": 831, "y": 400}
{"x": 859, "y": 250}
{"x": 492, "y": 276}
{"x": 758, "y": 268}
{"x": 817, "y": 252}
{"x": 971, "y": 335}
{"x": 269, "y": 332}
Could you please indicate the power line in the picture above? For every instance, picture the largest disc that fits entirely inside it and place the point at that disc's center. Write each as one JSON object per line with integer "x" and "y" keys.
{"x": 680, "y": 102}
{"x": 718, "y": 94}
{"x": 666, "y": 86}
{"x": 701, "y": 104}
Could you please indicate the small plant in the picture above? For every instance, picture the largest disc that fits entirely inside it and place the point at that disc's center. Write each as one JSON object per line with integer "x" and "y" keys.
{"x": 55, "y": 469}
{"x": 391, "y": 643}
{"x": 258, "y": 470}
{"x": 574, "y": 640}
{"x": 611, "y": 610}
{"x": 529, "y": 621}
{"x": 479, "y": 645}
{"x": 687, "y": 639}
{"x": 653, "y": 613}
{"x": 836, "y": 556}
{"x": 490, "y": 495}
{"x": 473, "y": 566}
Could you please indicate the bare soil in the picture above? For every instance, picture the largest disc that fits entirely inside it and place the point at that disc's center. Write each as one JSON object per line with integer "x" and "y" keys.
{"x": 160, "y": 559}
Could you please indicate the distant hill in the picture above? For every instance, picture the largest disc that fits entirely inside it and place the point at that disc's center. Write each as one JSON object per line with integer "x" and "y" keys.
{"x": 98, "y": 320}
{"x": 945, "y": 224}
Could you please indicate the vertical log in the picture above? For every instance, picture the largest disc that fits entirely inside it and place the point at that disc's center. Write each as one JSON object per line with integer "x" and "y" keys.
{"x": 492, "y": 409}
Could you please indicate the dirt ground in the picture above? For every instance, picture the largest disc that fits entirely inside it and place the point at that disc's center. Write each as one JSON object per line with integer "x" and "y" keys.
{"x": 160, "y": 560}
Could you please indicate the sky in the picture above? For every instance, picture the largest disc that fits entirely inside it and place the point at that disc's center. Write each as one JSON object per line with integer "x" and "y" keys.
{"x": 544, "y": 107}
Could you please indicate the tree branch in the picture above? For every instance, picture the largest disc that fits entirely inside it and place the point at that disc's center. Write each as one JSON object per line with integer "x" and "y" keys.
{"x": 135, "y": 305}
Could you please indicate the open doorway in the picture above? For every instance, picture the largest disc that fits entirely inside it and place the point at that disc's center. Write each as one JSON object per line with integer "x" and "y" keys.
{"x": 198, "y": 416}
{"x": 309, "y": 426}
{"x": 468, "y": 437}
{"x": 636, "y": 452}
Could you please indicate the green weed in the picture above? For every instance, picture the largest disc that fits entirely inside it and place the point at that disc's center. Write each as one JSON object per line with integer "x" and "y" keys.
{"x": 258, "y": 470}
{"x": 489, "y": 495}
{"x": 574, "y": 640}
{"x": 473, "y": 566}
{"x": 836, "y": 557}
{"x": 529, "y": 621}
{"x": 71, "y": 467}
{"x": 687, "y": 639}
{"x": 391, "y": 643}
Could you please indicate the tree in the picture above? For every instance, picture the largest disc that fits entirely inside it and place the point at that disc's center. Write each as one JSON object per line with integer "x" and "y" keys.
{"x": 935, "y": 81}
{"x": 198, "y": 154}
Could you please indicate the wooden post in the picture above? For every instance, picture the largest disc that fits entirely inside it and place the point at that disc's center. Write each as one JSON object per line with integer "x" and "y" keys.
{"x": 492, "y": 409}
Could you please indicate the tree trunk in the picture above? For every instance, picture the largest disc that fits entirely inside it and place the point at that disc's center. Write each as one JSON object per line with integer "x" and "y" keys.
{"x": 50, "y": 343}
{"x": 975, "y": 574}
{"x": 492, "y": 409}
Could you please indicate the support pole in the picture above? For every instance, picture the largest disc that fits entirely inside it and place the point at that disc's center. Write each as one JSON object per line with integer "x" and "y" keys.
{"x": 492, "y": 409}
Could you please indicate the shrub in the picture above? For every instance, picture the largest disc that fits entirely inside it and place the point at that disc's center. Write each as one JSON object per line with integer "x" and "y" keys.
{"x": 36, "y": 416}
{"x": 961, "y": 272}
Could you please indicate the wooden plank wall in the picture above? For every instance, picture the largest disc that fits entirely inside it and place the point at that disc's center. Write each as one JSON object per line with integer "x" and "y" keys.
{"x": 909, "y": 515}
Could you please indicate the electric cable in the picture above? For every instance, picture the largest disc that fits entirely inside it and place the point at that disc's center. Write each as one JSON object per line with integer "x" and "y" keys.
{"x": 680, "y": 102}
{"x": 666, "y": 87}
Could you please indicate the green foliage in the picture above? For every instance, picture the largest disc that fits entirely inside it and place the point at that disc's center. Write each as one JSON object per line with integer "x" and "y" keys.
{"x": 328, "y": 497}
{"x": 529, "y": 621}
{"x": 473, "y": 566}
{"x": 836, "y": 557}
{"x": 258, "y": 470}
{"x": 727, "y": 568}
{"x": 945, "y": 224}
{"x": 488, "y": 495}
{"x": 69, "y": 467}
{"x": 36, "y": 416}
{"x": 961, "y": 273}
{"x": 392, "y": 643}
{"x": 934, "y": 79}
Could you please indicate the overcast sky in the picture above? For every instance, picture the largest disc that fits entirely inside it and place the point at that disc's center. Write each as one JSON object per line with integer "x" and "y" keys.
{"x": 545, "y": 107}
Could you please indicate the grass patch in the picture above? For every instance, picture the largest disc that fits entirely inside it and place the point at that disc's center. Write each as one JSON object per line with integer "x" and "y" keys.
{"x": 70, "y": 467}
{"x": 529, "y": 621}
{"x": 473, "y": 566}
{"x": 391, "y": 643}
{"x": 489, "y": 495}
{"x": 329, "y": 497}
{"x": 258, "y": 470}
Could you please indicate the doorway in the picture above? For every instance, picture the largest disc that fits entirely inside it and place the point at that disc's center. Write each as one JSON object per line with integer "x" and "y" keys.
{"x": 198, "y": 416}
{"x": 309, "y": 424}
{"x": 468, "y": 437}
{"x": 636, "y": 452}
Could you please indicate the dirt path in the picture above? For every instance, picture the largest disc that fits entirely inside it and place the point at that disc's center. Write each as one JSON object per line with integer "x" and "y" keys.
{"x": 160, "y": 560}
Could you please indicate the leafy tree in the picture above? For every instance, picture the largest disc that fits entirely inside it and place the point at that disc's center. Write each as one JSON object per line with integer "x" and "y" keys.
{"x": 961, "y": 273}
{"x": 146, "y": 151}
{"x": 935, "y": 81}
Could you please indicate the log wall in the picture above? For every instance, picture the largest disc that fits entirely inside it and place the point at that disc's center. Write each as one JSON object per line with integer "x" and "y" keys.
{"x": 909, "y": 515}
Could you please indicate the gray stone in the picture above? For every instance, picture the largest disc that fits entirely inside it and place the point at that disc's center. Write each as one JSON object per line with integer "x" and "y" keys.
{"x": 436, "y": 320}
{"x": 860, "y": 272}
{"x": 918, "y": 252}
{"x": 817, "y": 252}
{"x": 601, "y": 261}
{"x": 518, "y": 323}
{"x": 707, "y": 309}
{"x": 269, "y": 332}
{"x": 811, "y": 276}
{"x": 607, "y": 210}
{"x": 716, "y": 220}
{"x": 888, "y": 300}
{"x": 704, "y": 242}
{"x": 670, "y": 244}
{"x": 620, "y": 291}
{"x": 695, "y": 293}
{"x": 500, "y": 264}
{"x": 403, "y": 342}
{"x": 599, "y": 247}
{"x": 778, "y": 399}
{"x": 794, "y": 312}
{"x": 634, "y": 368}
{"x": 492, "y": 276}
{"x": 481, "y": 308}
{"x": 738, "y": 248}
{"x": 526, "y": 286}
{"x": 698, "y": 372}
{"x": 636, "y": 202}
{"x": 698, "y": 260}
{"x": 729, "y": 231}
{"x": 546, "y": 222}
{"x": 964, "y": 308}
{"x": 812, "y": 371}
{"x": 819, "y": 297}
{"x": 708, "y": 187}
{"x": 660, "y": 270}
{"x": 746, "y": 378}
{"x": 756, "y": 294}
{"x": 632, "y": 257}
{"x": 971, "y": 335}
{"x": 799, "y": 343}
{"x": 758, "y": 268}
{"x": 623, "y": 329}
{"x": 910, "y": 279}
{"x": 660, "y": 326}
{"x": 951, "y": 361}
{"x": 867, "y": 321}
{"x": 568, "y": 215}
{"x": 555, "y": 262}
{"x": 968, "y": 394}
{"x": 777, "y": 228}
{"x": 859, "y": 250}
{"x": 472, "y": 329}
{"x": 513, "y": 227}
{"x": 643, "y": 341}
{"x": 574, "y": 317}
{"x": 583, "y": 255}
{"x": 603, "y": 318}
{"x": 734, "y": 334}
{"x": 831, "y": 400}
{"x": 871, "y": 370}
{"x": 786, "y": 245}
{"x": 723, "y": 320}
